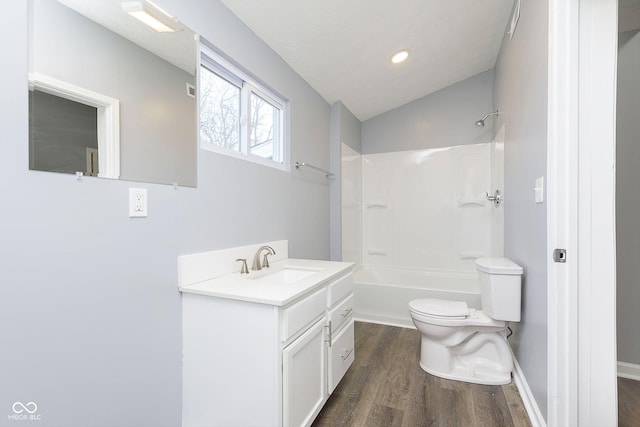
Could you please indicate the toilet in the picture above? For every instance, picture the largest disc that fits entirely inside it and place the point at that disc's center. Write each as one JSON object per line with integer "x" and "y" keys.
{"x": 465, "y": 344}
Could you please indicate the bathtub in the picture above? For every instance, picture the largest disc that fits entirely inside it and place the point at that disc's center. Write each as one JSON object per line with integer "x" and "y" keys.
{"x": 382, "y": 293}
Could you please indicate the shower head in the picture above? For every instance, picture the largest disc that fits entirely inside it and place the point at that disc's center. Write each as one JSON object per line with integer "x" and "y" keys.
{"x": 481, "y": 121}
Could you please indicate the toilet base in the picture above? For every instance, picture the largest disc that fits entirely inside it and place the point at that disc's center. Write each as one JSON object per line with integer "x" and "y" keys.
{"x": 470, "y": 377}
{"x": 481, "y": 358}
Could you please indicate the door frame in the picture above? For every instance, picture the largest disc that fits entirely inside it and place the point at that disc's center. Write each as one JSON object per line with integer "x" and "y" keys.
{"x": 581, "y": 213}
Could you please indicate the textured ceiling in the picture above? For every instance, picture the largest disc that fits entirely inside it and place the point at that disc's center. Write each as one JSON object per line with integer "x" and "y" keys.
{"x": 342, "y": 48}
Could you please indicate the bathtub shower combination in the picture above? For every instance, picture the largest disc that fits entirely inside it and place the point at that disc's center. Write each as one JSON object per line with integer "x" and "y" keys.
{"x": 382, "y": 294}
{"x": 415, "y": 222}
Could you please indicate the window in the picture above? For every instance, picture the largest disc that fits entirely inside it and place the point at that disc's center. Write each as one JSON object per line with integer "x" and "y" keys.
{"x": 238, "y": 116}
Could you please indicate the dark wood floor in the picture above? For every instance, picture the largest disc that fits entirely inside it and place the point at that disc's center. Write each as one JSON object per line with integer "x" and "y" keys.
{"x": 385, "y": 387}
{"x": 628, "y": 403}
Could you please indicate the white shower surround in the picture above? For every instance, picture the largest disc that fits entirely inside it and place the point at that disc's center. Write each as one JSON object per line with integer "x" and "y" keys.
{"x": 427, "y": 208}
{"x": 415, "y": 221}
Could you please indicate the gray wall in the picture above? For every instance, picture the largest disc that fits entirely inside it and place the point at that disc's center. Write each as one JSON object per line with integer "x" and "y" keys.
{"x": 521, "y": 97}
{"x": 158, "y": 130}
{"x": 442, "y": 119}
{"x": 345, "y": 128}
{"x": 628, "y": 197}
{"x": 90, "y": 315}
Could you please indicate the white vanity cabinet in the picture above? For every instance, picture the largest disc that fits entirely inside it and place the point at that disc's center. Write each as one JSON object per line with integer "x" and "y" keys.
{"x": 265, "y": 364}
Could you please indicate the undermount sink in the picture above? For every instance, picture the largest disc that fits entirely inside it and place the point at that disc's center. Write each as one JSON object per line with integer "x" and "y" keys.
{"x": 285, "y": 275}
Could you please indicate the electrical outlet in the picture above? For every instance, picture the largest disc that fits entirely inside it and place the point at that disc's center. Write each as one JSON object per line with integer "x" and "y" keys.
{"x": 137, "y": 202}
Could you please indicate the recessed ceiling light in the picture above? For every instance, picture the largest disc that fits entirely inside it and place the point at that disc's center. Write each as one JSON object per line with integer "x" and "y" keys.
{"x": 400, "y": 56}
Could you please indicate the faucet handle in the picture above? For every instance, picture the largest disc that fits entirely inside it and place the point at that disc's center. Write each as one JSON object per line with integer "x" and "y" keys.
{"x": 265, "y": 260}
{"x": 244, "y": 269}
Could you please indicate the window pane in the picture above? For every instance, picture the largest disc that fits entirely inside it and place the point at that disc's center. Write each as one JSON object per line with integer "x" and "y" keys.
{"x": 219, "y": 111}
{"x": 263, "y": 129}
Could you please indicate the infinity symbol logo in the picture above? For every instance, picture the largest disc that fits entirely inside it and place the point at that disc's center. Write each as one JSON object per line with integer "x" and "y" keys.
{"x": 19, "y": 407}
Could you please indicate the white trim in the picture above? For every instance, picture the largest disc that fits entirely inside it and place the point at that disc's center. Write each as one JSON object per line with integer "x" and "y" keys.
{"x": 382, "y": 321}
{"x": 219, "y": 64}
{"x": 597, "y": 387}
{"x": 562, "y": 282}
{"x": 535, "y": 416}
{"x": 108, "y": 118}
{"x": 581, "y": 213}
{"x": 629, "y": 370}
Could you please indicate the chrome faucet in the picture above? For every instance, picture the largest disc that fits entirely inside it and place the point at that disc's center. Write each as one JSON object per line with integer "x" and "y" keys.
{"x": 265, "y": 261}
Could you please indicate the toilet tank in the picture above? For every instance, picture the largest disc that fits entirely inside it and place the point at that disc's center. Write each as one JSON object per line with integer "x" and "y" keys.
{"x": 500, "y": 288}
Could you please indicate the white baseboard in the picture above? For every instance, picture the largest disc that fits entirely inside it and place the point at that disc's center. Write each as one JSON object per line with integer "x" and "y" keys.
{"x": 535, "y": 416}
{"x": 383, "y": 320}
{"x": 629, "y": 370}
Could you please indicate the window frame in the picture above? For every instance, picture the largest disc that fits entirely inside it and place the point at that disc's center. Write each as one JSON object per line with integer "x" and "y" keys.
{"x": 249, "y": 85}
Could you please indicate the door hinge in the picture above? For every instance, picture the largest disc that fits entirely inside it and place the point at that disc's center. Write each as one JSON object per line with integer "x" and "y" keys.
{"x": 560, "y": 255}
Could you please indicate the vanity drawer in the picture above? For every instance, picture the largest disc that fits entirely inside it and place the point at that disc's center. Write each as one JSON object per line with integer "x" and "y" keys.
{"x": 342, "y": 355}
{"x": 341, "y": 313}
{"x": 302, "y": 313}
{"x": 339, "y": 289}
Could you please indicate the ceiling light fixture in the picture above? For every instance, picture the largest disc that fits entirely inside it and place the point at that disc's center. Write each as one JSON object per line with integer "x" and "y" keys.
{"x": 151, "y": 15}
{"x": 400, "y": 56}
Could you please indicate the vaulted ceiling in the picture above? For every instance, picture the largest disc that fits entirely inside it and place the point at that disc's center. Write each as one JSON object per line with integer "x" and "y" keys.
{"x": 342, "y": 48}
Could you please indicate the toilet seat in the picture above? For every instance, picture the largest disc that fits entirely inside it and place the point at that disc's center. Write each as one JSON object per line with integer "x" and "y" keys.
{"x": 440, "y": 308}
{"x": 441, "y": 312}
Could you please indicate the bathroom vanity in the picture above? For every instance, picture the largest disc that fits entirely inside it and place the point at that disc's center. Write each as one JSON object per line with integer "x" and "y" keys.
{"x": 265, "y": 348}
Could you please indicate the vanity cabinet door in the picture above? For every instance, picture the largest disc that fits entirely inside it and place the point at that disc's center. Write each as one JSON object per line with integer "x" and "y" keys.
{"x": 303, "y": 377}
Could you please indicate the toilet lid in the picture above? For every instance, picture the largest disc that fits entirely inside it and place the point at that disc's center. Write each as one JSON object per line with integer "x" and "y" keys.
{"x": 440, "y": 308}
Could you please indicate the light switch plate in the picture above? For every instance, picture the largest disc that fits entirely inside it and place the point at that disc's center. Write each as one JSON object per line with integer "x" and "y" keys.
{"x": 539, "y": 190}
{"x": 137, "y": 202}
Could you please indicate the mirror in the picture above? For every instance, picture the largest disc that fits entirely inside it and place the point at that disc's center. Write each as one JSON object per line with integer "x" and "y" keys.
{"x": 108, "y": 95}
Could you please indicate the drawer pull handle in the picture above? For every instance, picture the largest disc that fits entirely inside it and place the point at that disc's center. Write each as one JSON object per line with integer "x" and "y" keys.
{"x": 329, "y": 334}
{"x": 346, "y": 313}
{"x": 347, "y": 354}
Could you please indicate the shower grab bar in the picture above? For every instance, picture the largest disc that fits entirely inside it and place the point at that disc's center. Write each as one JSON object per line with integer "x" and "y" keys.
{"x": 327, "y": 174}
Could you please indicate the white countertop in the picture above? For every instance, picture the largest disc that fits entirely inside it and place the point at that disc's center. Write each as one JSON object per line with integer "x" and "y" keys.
{"x": 244, "y": 287}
